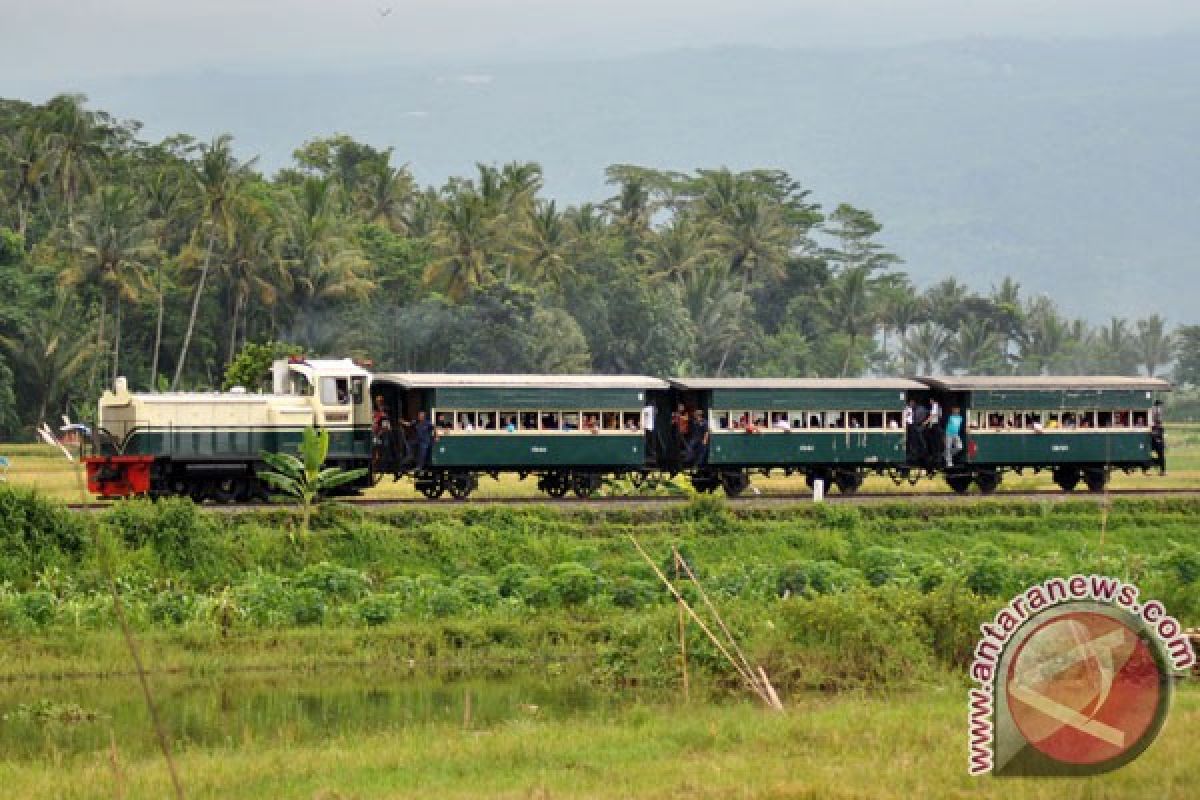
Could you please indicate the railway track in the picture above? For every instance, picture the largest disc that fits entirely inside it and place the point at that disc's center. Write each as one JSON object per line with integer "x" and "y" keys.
{"x": 750, "y": 499}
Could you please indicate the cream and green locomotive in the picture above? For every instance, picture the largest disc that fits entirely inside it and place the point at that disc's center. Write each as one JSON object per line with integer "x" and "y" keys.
{"x": 208, "y": 445}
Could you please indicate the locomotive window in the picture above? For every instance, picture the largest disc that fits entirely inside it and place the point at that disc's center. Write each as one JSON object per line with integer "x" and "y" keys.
{"x": 334, "y": 392}
{"x": 356, "y": 390}
{"x": 894, "y": 420}
{"x": 299, "y": 385}
{"x": 570, "y": 420}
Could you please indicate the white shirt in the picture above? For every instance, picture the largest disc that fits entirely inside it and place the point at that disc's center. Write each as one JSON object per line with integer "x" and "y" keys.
{"x": 908, "y": 415}
{"x": 648, "y": 413}
{"x": 935, "y": 412}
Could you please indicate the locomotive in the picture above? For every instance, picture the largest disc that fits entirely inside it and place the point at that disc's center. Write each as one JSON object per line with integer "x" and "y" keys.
{"x": 573, "y": 431}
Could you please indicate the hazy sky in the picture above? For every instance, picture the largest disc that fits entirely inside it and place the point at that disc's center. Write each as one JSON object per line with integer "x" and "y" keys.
{"x": 47, "y": 44}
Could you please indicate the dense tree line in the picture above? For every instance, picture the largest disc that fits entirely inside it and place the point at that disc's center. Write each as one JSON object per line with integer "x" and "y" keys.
{"x": 161, "y": 261}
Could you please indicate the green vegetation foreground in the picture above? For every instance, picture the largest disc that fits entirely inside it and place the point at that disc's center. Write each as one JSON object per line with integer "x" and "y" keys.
{"x": 864, "y": 617}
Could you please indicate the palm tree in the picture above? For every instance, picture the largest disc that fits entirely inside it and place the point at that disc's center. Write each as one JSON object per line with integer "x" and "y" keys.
{"x": 717, "y": 309}
{"x": 460, "y": 241}
{"x": 855, "y": 229}
{"x": 848, "y": 302}
{"x": 220, "y": 177}
{"x": 24, "y": 151}
{"x": 249, "y": 268}
{"x": 1117, "y": 348}
{"x": 1046, "y": 334}
{"x": 51, "y": 352}
{"x": 114, "y": 240}
{"x": 542, "y": 244}
{"x": 925, "y": 347}
{"x": 974, "y": 349}
{"x": 75, "y": 142}
{"x": 386, "y": 194}
{"x": 899, "y": 310}
{"x": 322, "y": 264}
{"x": 169, "y": 204}
{"x": 676, "y": 250}
{"x": 1154, "y": 344}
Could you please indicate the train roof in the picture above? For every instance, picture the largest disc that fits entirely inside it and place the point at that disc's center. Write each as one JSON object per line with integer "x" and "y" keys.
{"x": 793, "y": 384}
{"x": 439, "y": 380}
{"x": 1045, "y": 383}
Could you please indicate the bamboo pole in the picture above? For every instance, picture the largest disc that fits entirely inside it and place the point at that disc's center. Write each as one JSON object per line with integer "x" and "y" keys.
{"x": 687, "y": 692}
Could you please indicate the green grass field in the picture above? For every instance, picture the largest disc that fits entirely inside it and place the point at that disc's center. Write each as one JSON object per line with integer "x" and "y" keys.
{"x": 44, "y": 467}
{"x": 884, "y": 746}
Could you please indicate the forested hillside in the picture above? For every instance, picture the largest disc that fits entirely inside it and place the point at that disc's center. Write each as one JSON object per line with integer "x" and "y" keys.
{"x": 1068, "y": 164}
{"x": 161, "y": 260}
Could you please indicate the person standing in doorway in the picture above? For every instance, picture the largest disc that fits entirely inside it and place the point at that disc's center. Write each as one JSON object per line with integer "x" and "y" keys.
{"x": 649, "y": 412}
{"x": 954, "y": 424}
{"x": 426, "y": 435}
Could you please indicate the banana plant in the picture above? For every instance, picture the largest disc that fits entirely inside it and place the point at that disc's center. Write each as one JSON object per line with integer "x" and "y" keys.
{"x": 306, "y": 478}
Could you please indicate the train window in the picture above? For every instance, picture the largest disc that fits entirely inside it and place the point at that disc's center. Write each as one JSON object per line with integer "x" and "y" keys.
{"x": 570, "y": 420}
{"x": 466, "y": 421}
{"x": 893, "y": 420}
{"x": 508, "y": 421}
{"x": 798, "y": 419}
{"x": 835, "y": 419}
{"x": 529, "y": 420}
{"x": 612, "y": 420}
{"x": 1033, "y": 420}
{"x": 444, "y": 420}
{"x": 1120, "y": 419}
{"x": 722, "y": 420}
{"x": 857, "y": 419}
{"x": 1069, "y": 420}
{"x": 550, "y": 421}
{"x": 335, "y": 391}
{"x": 816, "y": 419}
{"x": 1104, "y": 419}
{"x": 1087, "y": 419}
{"x": 299, "y": 386}
{"x": 875, "y": 420}
{"x": 591, "y": 421}
{"x": 486, "y": 420}
{"x": 1139, "y": 419}
{"x": 356, "y": 390}
{"x": 779, "y": 421}
{"x": 741, "y": 419}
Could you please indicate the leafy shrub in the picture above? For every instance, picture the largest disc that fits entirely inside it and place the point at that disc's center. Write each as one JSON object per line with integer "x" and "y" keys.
{"x": 989, "y": 577}
{"x": 479, "y": 590}
{"x": 35, "y": 532}
{"x": 38, "y": 606}
{"x": 634, "y": 593}
{"x": 308, "y": 606}
{"x": 511, "y": 577}
{"x": 173, "y": 607}
{"x": 447, "y": 601}
{"x": 538, "y": 591}
{"x": 574, "y": 583}
{"x": 264, "y": 599}
{"x": 881, "y": 565}
{"x": 333, "y": 580}
{"x": 819, "y": 577}
{"x": 377, "y": 609}
{"x": 1185, "y": 564}
{"x": 182, "y": 538}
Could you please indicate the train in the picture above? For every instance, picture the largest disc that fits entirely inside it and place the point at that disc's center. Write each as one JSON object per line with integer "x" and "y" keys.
{"x": 572, "y": 432}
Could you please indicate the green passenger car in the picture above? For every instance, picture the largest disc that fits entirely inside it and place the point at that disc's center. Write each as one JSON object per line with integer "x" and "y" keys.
{"x": 1078, "y": 427}
{"x": 569, "y": 430}
{"x": 832, "y": 430}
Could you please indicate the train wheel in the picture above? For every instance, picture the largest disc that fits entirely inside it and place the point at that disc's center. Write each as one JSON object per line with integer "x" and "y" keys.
{"x": 734, "y": 483}
{"x": 554, "y": 484}
{"x": 431, "y": 484}
{"x": 987, "y": 480}
{"x": 705, "y": 481}
{"x": 815, "y": 475}
{"x": 584, "y": 484}
{"x": 848, "y": 481}
{"x": 461, "y": 484}
{"x": 1096, "y": 479}
{"x": 1066, "y": 477}
{"x": 226, "y": 491}
{"x": 959, "y": 482}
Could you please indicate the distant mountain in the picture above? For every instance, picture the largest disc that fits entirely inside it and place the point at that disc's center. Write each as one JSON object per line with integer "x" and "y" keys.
{"x": 1073, "y": 165}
